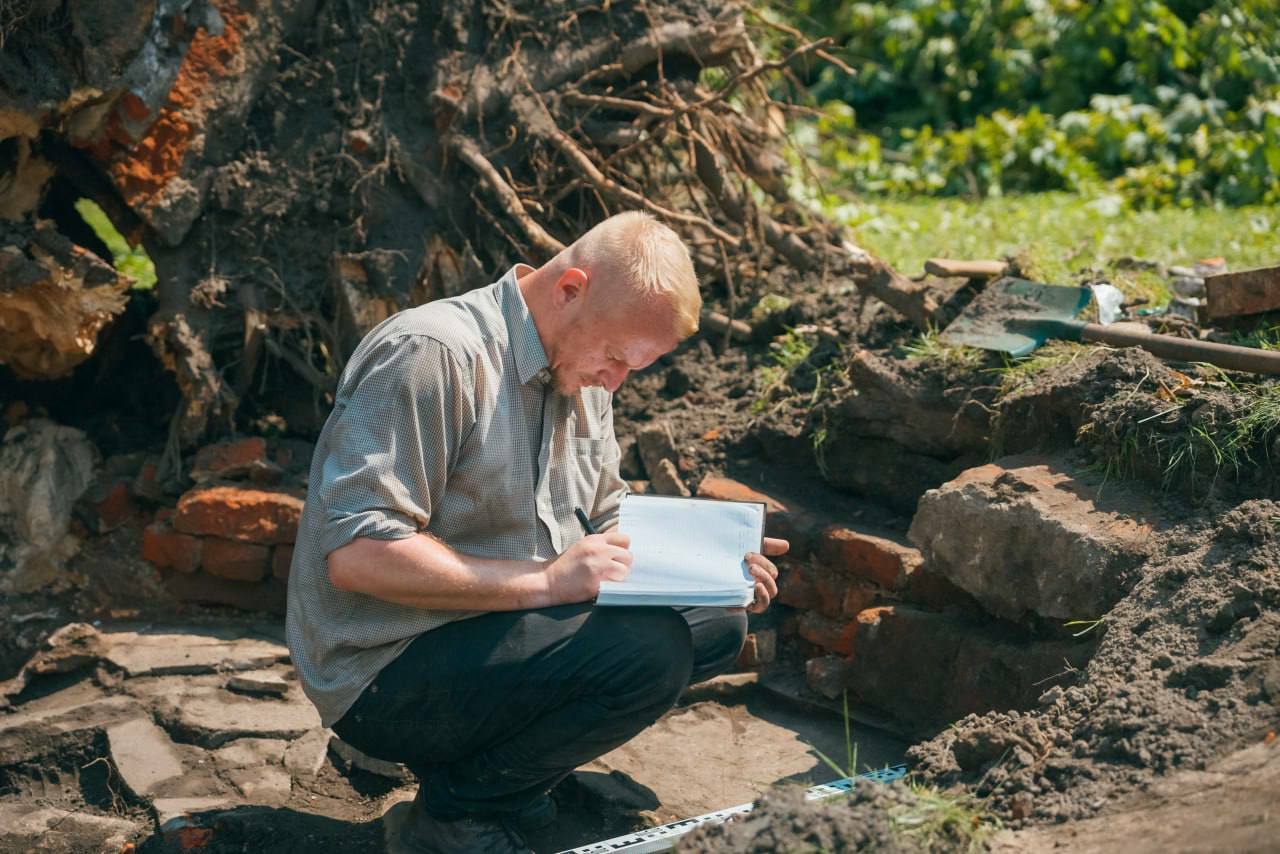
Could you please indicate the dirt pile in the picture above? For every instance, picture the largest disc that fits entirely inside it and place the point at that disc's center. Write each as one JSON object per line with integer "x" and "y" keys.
{"x": 1186, "y": 671}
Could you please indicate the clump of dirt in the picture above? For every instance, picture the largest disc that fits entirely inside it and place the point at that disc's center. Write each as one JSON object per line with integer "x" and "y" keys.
{"x": 1049, "y": 408}
{"x": 1182, "y": 675}
{"x": 783, "y": 821}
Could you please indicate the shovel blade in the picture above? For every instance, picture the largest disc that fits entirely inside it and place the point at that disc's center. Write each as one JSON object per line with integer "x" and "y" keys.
{"x": 1016, "y": 316}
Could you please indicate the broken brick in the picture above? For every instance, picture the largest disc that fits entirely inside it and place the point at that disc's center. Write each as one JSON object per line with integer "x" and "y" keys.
{"x": 167, "y": 549}
{"x": 249, "y": 515}
{"x": 109, "y": 505}
{"x": 234, "y": 560}
{"x": 760, "y": 648}
{"x": 832, "y": 635}
{"x": 227, "y": 459}
{"x": 727, "y": 489}
{"x": 874, "y": 558}
{"x": 797, "y": 586}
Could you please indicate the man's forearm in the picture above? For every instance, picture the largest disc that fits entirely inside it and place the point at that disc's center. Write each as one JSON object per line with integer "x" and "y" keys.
{"x": 423, "y": 572}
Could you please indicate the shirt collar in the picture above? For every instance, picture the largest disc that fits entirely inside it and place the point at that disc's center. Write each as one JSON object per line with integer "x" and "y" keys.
{"x": 526, "y": 346}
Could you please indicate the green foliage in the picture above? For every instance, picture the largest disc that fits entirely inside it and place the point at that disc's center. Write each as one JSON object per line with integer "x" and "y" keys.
{"x": 131, "y": 261}
{"x": 939, "y": 820}
{"x": 1158, "y": 101}
{"x": 786, "y": 353}
{"x": 929, "y": 345}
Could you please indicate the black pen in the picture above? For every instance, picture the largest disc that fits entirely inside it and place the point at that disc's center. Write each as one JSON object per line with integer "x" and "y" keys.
{"x": 586, "y": 523}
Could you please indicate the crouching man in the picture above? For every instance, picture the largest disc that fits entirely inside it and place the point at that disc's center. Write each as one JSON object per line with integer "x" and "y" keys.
{"x": 440, "y": 598}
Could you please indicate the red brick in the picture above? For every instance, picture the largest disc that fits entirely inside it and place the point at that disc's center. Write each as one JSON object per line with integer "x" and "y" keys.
{"x": 250, "y": 515}
{"x": 231, "y": 457}
{"x": 235, "y": 560}
{"x": 858, "y": 596}
{"x": 726, "y": 489}
{"x": 833, "y": 635}
{"x": 874, "y": 558}
{"x": 111, "y": 505}
{"x": 797, "y": 587}
{"x": 167, "y": 549}
{"x": 281, "y": 557}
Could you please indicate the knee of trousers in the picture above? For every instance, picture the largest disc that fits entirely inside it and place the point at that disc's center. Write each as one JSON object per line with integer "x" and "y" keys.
{"x": 652, "y": 650}
{"x": 720, "y": 642}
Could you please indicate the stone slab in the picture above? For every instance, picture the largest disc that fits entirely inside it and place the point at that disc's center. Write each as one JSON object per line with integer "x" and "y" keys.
{"x": 259, "y": 682}
{"x": 22, "y": 824}
{"x": 201, "y": 710}
{"x": 267, "y": 784}
{"x": 251, "y": 752}
{"x": 305, "y": 756}
{"x": 162, "y": 651}
{"x": 143, "y": 754}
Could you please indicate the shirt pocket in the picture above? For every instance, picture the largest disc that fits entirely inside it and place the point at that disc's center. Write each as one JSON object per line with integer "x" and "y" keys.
{"x": 585, "y": 446}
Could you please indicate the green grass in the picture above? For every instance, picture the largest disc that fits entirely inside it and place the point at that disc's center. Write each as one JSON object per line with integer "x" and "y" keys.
{"x": 130, "y": 260}
{"x": 1060, "y": 235}
{"x": 1020, "y": 373}
{"x": 786, "y": 352}
{"x": 942, "y": 820}
{"x": 929, "y": 345}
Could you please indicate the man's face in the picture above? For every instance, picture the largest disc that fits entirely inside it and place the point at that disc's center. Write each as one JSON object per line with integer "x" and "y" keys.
{"x": 602, "y": 348}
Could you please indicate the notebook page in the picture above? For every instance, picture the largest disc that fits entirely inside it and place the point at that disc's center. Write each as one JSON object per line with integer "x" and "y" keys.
{"x": 682, "y": 544}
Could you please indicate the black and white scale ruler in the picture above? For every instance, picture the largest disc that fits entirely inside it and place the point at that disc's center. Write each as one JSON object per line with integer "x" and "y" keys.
{"x": 664, "y": 837}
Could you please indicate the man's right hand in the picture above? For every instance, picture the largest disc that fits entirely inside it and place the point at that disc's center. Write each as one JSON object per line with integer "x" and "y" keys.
{"x": 575, "y": 575}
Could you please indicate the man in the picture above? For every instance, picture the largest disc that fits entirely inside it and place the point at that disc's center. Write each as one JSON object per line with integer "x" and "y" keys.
{"x": 440, "y": 599}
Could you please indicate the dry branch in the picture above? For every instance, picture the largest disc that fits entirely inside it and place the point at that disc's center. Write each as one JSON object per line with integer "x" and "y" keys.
{"x": 469, "y": 152}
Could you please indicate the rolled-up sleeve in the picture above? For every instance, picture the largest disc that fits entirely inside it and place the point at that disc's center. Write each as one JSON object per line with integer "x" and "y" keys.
{"x": 608, "y": 502}
{"x": 395, "y": 436}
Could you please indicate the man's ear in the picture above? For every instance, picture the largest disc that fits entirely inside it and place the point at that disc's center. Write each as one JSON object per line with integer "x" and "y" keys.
{"x": 571, "y": 286}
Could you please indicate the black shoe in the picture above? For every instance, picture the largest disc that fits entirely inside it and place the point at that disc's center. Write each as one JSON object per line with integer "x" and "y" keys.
{"x": 408, "y": 829}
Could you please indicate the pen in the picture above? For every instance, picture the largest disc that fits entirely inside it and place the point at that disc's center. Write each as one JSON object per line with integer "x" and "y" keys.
{"x": 586, "y": 523}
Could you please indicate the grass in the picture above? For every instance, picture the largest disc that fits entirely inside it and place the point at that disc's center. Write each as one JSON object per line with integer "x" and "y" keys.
{"x": 929, "y": 345}
{"x": 933, "y": 818}
{"x": 130, "y": 260}
{"x": 1058, "y": 235}
{"x": 1020, "y": 373}
{"x": 786, "y": 352}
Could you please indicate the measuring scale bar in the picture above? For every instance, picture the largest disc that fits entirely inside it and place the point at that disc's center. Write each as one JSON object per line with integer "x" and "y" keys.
{"x": 664, "y": 837}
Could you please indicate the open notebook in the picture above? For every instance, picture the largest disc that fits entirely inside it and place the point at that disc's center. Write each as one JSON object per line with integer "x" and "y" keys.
{"x": 688, "y": 551}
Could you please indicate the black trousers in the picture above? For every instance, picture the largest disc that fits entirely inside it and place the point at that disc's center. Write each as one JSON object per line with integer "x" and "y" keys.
{"x": 492, "y": 711}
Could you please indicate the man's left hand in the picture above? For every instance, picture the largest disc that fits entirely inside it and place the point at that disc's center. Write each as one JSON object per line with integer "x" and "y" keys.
{"x": 765, "y": 573}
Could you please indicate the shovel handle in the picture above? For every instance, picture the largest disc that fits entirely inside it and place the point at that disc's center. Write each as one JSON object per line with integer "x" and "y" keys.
{"x": 1226, "y": 356}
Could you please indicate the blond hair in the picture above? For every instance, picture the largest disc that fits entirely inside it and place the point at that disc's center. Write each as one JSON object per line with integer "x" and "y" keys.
{"x": 646, "y": 258}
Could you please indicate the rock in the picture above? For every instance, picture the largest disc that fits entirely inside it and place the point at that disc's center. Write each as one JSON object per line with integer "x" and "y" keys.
{"x": 36, "y": 827}
{"x": 143, "y": 754}
{"x": 268, "y": 783}
{"x": 759, "y": 649}
{"x": 107, "y": 504}
{"x": 629, "y": 464}
{"x": 248, "y": 515}
{"x": 245, "y": 752}
{"x": 305, "y": 756}
{"x": 353, "y": 758}
{"x": 1025, "y": 537}
{"x": 199, "y": 710}
{"x": 828, "y": 675}
{"x": 164, "y": 650}
{"x": 656, "y": 443}
{"x": 262, "y": 682}
{"x": 665, "y": 480}
{"x": 44, "y": 469}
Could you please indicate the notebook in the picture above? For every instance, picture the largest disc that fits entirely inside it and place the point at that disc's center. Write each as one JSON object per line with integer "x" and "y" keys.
{"x": 687, "y": 551}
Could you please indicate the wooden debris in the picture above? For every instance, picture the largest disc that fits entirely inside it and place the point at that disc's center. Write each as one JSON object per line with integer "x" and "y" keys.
{"x": 947, "y": 267}
{"x": 1245, "y": 292}
{"x": 714, "y": 321}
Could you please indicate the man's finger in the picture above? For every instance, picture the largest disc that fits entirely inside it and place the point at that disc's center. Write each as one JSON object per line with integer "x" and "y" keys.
{"x": 754, "y": 559}
{"x": 614, "y": 538}
{"x": 765, "y": 580}
{"x": 773, "y": 546}
{"x": 761, "y": 601}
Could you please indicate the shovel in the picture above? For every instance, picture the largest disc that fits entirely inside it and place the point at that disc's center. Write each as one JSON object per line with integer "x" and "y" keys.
{"x": 1017, "y": 316}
